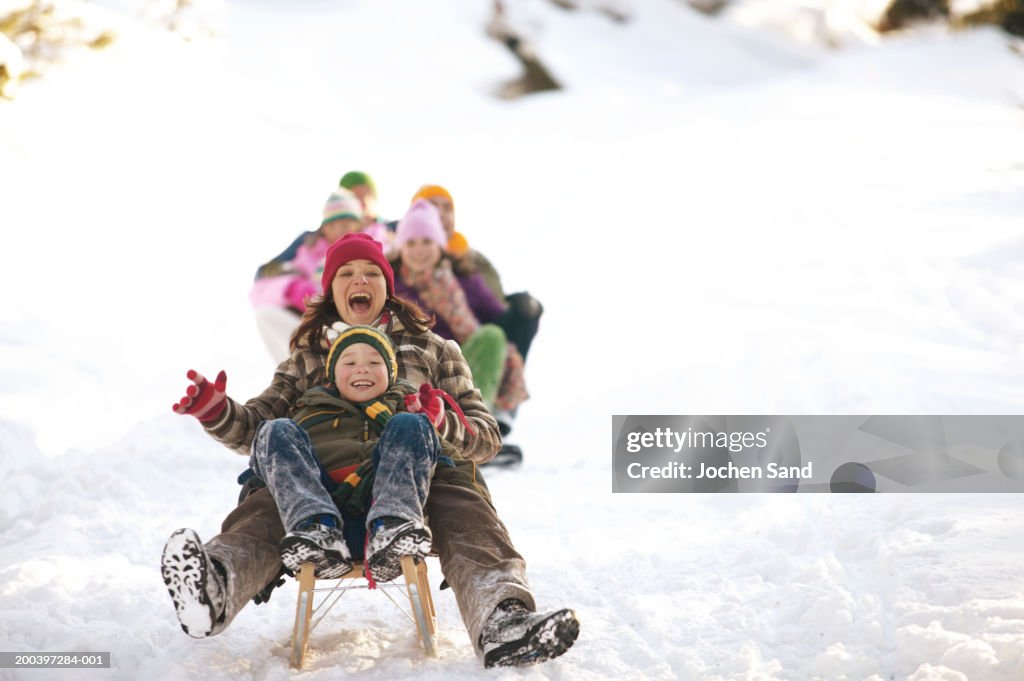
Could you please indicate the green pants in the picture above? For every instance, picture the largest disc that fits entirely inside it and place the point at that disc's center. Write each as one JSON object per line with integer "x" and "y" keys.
{"x": 485, "y": 352}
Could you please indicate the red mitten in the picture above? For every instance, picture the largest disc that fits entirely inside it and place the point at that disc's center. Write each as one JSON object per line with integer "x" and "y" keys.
{"x": 428, "y": 402}
{"x": 204, "y": 400}
{"x": 298, "y": 292}
{"x": 431, "y": 404}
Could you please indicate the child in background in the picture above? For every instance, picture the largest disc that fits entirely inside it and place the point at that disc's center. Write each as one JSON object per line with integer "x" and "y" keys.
{"x": 293, "y": 276}
{"x": 466, "y": 310}
{"x": 521, "y": 319}
{"x": 285, "y": 284}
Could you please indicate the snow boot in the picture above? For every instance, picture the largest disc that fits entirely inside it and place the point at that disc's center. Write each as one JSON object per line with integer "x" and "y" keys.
{"x": 515, "y": 637}
{"x": 504, "y": 417}
{"x": 390, "y": 539}
{"x": 318, "y": 543}
{"x": 507, "y": 456}
{"x": 196, "y": 583}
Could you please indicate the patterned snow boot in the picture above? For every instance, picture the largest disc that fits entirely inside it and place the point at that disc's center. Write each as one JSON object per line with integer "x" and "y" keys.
{"x": 515, "y": 637}
{"x": 317, "y": 541}
{"x": 390, "y": 539}
{"x": 196, "y": 583}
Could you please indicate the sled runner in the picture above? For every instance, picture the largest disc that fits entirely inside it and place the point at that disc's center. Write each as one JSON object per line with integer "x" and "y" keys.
{"x": 416, "y": 586}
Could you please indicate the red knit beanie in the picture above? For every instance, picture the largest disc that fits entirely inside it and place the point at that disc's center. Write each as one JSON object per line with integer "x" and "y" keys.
{"x": 357, "y": 246}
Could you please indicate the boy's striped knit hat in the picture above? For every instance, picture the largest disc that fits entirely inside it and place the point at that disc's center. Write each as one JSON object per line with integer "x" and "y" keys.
{"x": 342, "y": 204}
{"x": 373, "y": 337}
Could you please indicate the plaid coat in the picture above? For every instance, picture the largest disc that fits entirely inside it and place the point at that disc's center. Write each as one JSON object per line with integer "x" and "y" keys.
{"x": 422, "y": 357}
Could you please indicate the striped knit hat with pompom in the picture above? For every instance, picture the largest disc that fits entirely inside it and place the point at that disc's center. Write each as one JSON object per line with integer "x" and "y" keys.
{"x": 342, "y": 204}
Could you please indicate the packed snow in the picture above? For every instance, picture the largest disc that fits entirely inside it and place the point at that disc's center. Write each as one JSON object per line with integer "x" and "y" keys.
{"x": 717, "y": 222}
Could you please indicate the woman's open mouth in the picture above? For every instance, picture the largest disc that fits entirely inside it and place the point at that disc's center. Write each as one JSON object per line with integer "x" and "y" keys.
{"x": 360, "y": 302}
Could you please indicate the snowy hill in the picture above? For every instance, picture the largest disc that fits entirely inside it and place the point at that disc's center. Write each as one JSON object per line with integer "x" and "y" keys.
{"x": 716, "y": 222}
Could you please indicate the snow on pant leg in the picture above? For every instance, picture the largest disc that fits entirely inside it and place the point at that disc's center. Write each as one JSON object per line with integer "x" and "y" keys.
{"x": 477, "y": 557}
{"x": 404, "y": 460}
{"x": 485, "y": 353}
{"x": 276, "y": 325}
{"x": 282, "y": 456}
{"x": 247, "y": 548}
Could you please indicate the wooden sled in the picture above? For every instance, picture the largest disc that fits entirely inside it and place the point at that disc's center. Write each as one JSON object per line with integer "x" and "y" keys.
{"x": 416, "y": 586}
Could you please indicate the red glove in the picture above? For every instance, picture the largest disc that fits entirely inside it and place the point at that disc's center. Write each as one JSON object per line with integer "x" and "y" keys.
{"x": 204, "y": 400}
{"x": 298, "y": 292}
{"x": 427, "y": 401}
{"x": 430, "y": 402}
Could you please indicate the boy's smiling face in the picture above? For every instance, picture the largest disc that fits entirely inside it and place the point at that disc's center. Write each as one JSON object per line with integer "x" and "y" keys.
{"x": 361, "y": 374}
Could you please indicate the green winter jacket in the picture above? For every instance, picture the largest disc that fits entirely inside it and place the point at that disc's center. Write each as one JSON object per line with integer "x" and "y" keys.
{"x": 343, "y": 437}
{"x": 341, "y": 434}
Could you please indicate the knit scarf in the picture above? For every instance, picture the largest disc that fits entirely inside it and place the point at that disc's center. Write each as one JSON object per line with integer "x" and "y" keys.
{"x": 442, "y": 294}
{"x": 353, "y": 493}
{"x": 377, "y": 414}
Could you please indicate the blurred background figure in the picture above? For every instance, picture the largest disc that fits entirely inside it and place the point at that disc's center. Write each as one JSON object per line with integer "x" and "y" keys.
{"x": 520, "y": 319}
{"x": 365, "y": 189}
{"x": 456, "y": 245}
{"x": 285, "y": 284}
{"x": 466, "y": 311}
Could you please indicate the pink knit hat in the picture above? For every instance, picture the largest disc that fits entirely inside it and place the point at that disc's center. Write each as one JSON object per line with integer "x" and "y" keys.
{"x": 421, "y": 220}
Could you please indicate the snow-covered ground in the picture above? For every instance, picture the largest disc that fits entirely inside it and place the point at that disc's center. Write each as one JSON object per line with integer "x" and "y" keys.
{"x": 716, "y": 222}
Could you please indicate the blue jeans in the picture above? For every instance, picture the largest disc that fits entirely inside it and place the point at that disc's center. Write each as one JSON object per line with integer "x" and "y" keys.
{"x": 404, "y": 459}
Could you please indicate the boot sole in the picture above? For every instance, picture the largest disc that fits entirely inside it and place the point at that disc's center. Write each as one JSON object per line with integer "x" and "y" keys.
{"x": 329, "y": 564}
{"x": 184, "y": 568}
{"x": 386, "y": 564}
{"x": 544, "y": 641}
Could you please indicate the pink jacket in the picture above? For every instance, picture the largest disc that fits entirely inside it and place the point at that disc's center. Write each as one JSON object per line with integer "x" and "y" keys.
{"x": 308, "y": 264}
